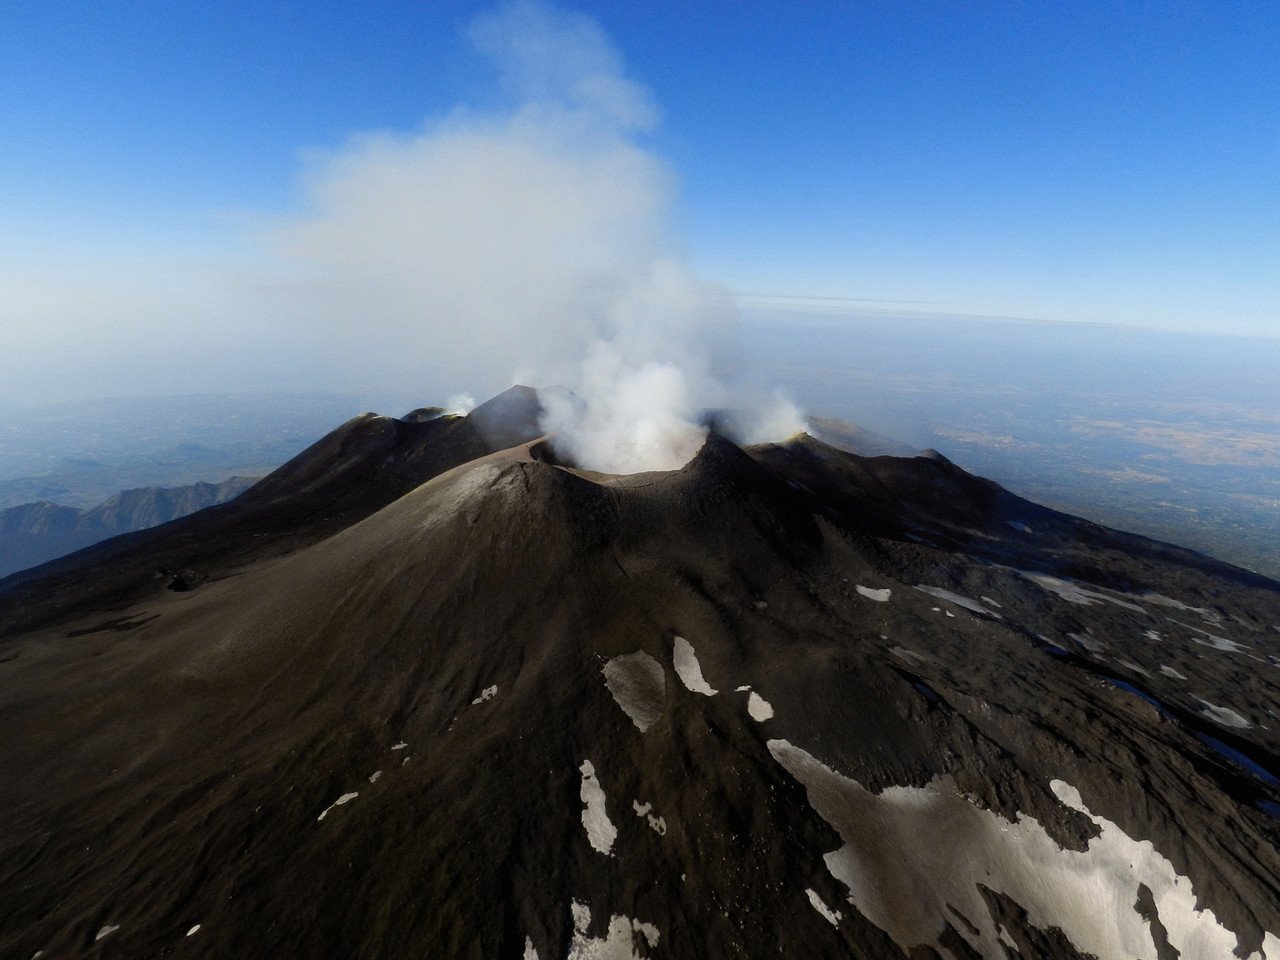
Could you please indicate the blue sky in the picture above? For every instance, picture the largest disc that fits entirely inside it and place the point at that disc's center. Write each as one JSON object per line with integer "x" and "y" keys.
{"x": 1085, "y": 162}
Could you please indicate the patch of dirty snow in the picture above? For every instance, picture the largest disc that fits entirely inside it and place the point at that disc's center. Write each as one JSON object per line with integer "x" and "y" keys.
{"x": 105, "y": 931}
{"x": 488, "y": 693}
{"x": 742, "y": 689}
{"x": 985, "y": 599}
{"x": 880, "y": 596}
{"x": 911, "y": 856}
{"x": 1211, "y": 639}
{"x": 657, "y": 824}
{"x": 530, "y": 953}
{"x": 344, "y": 799}
{"x": 758, "y": 707}
{"x": 193, "y": 930}
{"x": 1221, "y": 643}
{"x": 1073, "y": 592}
{"x": 1019, "y": 526}
{"x": 1224, "y": 715}
{"x": 1160, "y": 600}
{"x": 373, "y": 777}
{"x": 1170, "y": 672}
{"x": 639, "y": 686}
{"x": 595, "y": 820}
{"x": 833, "y": 916}
{"x": 624, "y": 940}
{"x": 1133, "y": 666}
{"x": 908, "y": 655}
{"x": 399, "y": 746}
{"x": 958, "y": 600}
{"x": 688, "y": 669}
{"x": 1092, "y": 644}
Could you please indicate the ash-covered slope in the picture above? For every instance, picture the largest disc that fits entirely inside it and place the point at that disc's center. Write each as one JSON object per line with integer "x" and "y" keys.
{"x": 784, "y": 701}
{"x": 358, "y": 468}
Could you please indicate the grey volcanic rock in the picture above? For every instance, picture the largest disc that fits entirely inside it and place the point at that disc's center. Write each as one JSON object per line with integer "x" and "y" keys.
{"x": 33, "y": 533}
{"x": 395, "y": 715}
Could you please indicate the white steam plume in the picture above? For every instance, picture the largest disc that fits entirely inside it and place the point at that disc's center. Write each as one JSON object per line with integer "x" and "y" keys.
{"x": 460, "y": 403}
{"x": 535, "y": 242}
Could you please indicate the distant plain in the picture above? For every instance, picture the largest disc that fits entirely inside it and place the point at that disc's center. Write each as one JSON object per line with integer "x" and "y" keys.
{"x": 1171, "y": 435}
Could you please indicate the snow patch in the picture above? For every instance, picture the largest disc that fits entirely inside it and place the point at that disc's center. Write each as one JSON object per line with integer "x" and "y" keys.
{"x": 958, "y": 600}
{"x": 658, "y": 824}
{"x": 488, "y": 693}
{"x": 1224, "y": 715}
{"x": 530, "y": 953}
{"x": 373, "y": 777}
{"x": 880, "y": 596}
{"x": 345, "y": 798}
{"x": 688, "y": 669}
{"x": 624, "y": 941}
{"x": 600, "y": 831}
{"x": 1212, "y": 640}
{"x": 399, "y": 746}
{"x": 913, "y": 855}
{"x": 1132, "y": 666}
{"x": 639, "y": 687}
{"x": 1170, "y": 672}
{"x": 833, "y": 916}
{"x": 1073, "y": 592}
{"x": 193, "y": 930}
{"x": 1019, "y": 526}
{"x": 759, "y": 707}
{"x": 105, "y": 931}
{"x": 1089, "y": 643}
{"x": 1160, "y": 600}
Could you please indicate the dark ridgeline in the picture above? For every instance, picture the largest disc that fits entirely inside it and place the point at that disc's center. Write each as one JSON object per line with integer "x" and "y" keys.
{"x": 182, "y": 705}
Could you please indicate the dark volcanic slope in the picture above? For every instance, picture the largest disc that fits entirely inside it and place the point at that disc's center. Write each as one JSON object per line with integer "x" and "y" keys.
{"x": 783, "y": 702}
{"x": 355, "y": 470}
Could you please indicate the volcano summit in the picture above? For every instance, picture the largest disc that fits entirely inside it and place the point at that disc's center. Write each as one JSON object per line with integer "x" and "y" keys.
{"x": 426, "y": 691}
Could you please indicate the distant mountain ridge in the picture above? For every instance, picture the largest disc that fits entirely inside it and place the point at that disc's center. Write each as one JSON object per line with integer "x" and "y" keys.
{"x": 33, "y": 533}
